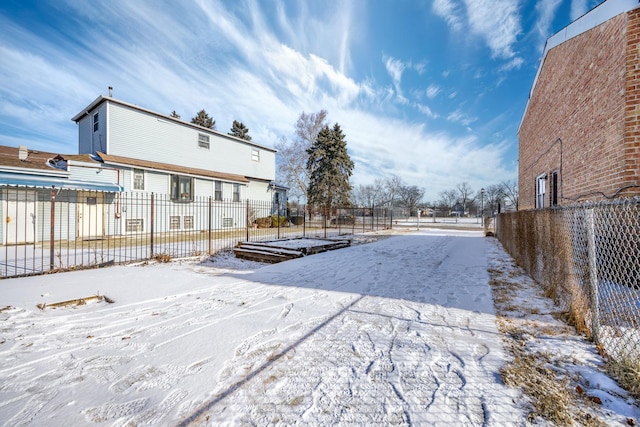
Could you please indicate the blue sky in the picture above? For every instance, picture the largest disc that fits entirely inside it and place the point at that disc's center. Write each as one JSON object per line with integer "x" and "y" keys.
{"x": 431, "y": 91}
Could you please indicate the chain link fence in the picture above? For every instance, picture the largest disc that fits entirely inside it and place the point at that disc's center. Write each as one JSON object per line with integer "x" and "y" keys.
{"x": 587, "y": 257}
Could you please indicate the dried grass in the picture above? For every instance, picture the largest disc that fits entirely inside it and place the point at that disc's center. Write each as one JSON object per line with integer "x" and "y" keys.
{"x": 627, "y": 372}
{"x": 550, "y": 395}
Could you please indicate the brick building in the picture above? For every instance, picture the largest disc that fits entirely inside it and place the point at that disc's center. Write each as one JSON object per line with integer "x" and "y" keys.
{"x": 579, "y": 138}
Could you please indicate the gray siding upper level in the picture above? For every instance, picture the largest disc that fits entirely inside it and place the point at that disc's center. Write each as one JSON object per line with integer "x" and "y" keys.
{"x": 138, "y": 133}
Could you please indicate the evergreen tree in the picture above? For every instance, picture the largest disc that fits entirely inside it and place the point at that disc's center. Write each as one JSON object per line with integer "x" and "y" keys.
{"x": 329, "y": 167}
{"x": 203, "y": 119}
{"x": 174, "y": 115}
{"x": 239, "y": 130}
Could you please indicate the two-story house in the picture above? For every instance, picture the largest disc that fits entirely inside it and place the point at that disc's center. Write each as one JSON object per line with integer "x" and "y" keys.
{"x": 146, "y": 141}
{"x": 149, "y": 152}
{"x": 579, "y": 138}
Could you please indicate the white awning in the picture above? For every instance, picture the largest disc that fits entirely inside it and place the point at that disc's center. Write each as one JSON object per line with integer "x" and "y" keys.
{"x": 33, "y": 181}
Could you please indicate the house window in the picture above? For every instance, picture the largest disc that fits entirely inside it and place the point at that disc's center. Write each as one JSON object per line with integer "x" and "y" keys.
{"x": 203, "y": 141}
{"x": 541, "y": 190}
{"x": 181, "y": 188}
{"x": 188, "y": 222}
{"x": 138, "y": 179}
{"x": 227, "y": 222}
{"x": 236, "y": 192}
{"x": 218, "y": 190}
{"x": 135, "y": 225}
{"x": 174, "y": 222}
{"x": 255, "y": 155}
{"x": 554, "y": 188}
{"x": 96, "y": 122}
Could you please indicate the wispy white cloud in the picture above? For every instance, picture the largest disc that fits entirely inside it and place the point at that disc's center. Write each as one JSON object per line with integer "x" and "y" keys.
{"x": 546, "y": 11}
{"x": 513, "y": 64}
{"x": 461, "y": 117}
{"x": 421, "y": 67}
{"x": 426, "y": 111}
{"x": 395, "y": 68}
{"x": 433, "y": 90}
{"x": 578, "y": 8}
{"x": 237, "y": 62}
{"x": 498, "y": 22}
{"x": 449, "y": 10}
{"x": 420, "y": 154}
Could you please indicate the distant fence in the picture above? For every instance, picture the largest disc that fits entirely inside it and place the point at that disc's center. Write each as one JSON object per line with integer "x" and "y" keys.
{"x": 47, "y": 231}
{"x": 587, "y": 258}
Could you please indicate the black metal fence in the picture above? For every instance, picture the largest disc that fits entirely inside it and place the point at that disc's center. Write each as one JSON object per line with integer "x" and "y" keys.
{"x": 48, "y": 231}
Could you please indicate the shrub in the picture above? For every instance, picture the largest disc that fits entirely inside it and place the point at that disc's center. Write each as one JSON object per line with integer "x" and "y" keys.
{"x": 278, "y": 220}
{"x": 297, "y": 220}
{"x": 264, "y": 222}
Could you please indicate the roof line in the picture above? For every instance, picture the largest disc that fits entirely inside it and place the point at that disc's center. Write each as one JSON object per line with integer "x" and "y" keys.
{"x": 165, "y": 167}
{"x": 100, "y": 99}
{"x": 596, "y": 16}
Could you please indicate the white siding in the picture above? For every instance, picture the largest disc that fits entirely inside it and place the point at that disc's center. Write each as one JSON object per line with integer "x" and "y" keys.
{"x": 258, "y": 190}
{"x": 203, "y": 188}
{"x": 157, "y": 182}
{"x": 93, "y": 173}
{"x": 89, "y": 141}
{"x": 141, "y": 135}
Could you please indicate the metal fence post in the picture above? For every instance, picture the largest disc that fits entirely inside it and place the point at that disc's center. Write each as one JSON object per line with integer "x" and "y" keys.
{"x": 247, "y": 221}
{"x": 52, "y": 234}
{"x": 353, "y": 224}
{"x": 324, "y": 220}
{"x": 210, "y": 223}
{"x": 593, "y": 275}
{"x": 152, "y": 219}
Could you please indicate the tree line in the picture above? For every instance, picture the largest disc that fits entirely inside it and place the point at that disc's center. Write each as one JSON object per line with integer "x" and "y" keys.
{"x": 488, "y": 200}
{"x": 300, "y": 167}
{"x": 202, "y": 118}
{"x": 316, "y": 167}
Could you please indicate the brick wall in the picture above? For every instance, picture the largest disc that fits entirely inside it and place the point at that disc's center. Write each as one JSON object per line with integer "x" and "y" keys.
{"x": 579, "y": 114}
{"x": 632, "y": 105}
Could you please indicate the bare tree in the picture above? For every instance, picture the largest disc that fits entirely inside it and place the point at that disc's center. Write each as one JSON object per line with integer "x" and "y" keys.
{"x": 490, "y": 198}
{"x": 367, "y": 195}
{"x": 392, "y": 185}
{"x": 410, "y": 196}
{"x": 510, "y": 192}
{"x": 448, "y": 198}
{"x": 309, "y": 125}
{"x": 464, "y": 193}
{"x": 292, "y": 155}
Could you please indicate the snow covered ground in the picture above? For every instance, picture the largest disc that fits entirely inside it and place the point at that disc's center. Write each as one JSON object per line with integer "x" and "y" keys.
{"x": 399, "y": 331}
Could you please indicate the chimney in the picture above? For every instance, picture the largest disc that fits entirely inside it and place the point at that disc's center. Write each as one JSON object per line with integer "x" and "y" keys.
{"x": 110, "y": 91}
{"x": 23, "y": 153}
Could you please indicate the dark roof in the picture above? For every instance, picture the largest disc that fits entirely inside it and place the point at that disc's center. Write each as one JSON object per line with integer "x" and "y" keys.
{"x": 36, "y": 160}
{"x": 145, "y": 164}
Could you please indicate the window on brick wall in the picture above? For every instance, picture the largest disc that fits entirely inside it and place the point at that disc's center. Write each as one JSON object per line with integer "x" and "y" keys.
{"x": 541, "y": 191}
